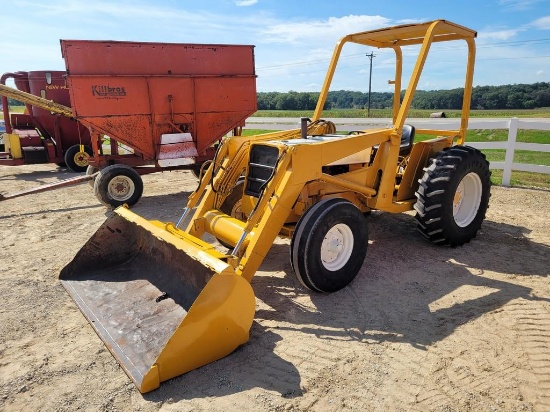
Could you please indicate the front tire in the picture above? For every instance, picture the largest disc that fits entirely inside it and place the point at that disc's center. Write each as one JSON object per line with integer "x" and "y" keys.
{"x": 453, "y": 196}
{"x": 76, "y": 160}
{"x": 232, "y": 205}
{"x": 116, "y": 185}
{"x": 329, "y": 245}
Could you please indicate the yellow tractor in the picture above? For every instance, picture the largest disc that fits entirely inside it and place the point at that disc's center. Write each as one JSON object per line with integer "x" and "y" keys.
{"x": 165, "y": 301}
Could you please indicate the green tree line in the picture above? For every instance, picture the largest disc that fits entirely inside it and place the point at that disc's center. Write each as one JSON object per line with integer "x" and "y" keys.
{"x": 512, "y": 96}
{"x": 13, "y": 102}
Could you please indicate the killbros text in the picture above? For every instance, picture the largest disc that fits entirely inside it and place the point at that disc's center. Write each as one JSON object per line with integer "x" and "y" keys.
{"x": 108, "y": 91}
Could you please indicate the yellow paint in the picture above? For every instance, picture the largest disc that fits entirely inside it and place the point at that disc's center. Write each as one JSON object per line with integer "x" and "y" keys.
{"x": 217, "y": 323}
{"x": 12, "y": 144}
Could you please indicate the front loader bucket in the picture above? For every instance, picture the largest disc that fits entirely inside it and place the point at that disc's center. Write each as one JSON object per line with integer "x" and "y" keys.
{"x": 161, "y": 300}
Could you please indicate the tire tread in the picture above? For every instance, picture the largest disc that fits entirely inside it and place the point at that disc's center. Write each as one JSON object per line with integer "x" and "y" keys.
{"x": 436, "y": 188}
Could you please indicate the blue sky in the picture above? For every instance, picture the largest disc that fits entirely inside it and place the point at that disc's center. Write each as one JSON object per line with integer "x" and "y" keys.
{"x": 294, "y": 39}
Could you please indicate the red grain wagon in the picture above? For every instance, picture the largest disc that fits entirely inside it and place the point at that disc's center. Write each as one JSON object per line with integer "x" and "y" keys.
{"x": 166, "y": 104}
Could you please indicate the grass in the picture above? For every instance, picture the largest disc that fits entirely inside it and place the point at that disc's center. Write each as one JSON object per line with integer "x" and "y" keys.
{"x": 384, "y": 113}
{"x": 413, "y": 113}
{"x": 17, "y": 109}
{"x": 523, "y": 179}
{"x": 518, "y": 178}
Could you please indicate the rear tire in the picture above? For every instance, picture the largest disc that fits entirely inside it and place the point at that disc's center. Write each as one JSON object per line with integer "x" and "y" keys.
{"x": 453, "y": 196}
{"x": 76, "y": 160}
{"x": 329, "y": 245}
{"x": 116, "y": 185}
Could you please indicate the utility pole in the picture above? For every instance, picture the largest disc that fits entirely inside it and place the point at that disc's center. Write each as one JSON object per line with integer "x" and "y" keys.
{"x": 370, "y": 56}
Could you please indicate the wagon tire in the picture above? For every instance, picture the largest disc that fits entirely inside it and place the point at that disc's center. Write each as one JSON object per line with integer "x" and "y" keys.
{"x": 76, "y": 160}
{"x": 453, "y": 196}
{"x": 196, "y": 170}
{"x": 329, "y": 245}
{"x": 90, "y": 170}
{"x": 116, "y": 185}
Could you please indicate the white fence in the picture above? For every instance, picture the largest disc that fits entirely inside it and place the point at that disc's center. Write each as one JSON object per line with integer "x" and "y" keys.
{"x": 512, "y": 145}
{"x": 445, "y": 124}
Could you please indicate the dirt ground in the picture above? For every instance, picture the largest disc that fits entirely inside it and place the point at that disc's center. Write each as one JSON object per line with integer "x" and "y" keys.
{"x": 422, "y": 328}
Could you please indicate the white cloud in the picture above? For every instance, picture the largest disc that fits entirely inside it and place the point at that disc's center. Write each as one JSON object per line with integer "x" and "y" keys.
{"x": 540, "y": 73}
{"x": 518, "y": 4}
{"x": 244, "y": 3}
{"x": 542, "y": 23}
{"x": 121, "y": 9}
{"x": 332, "y": 28}
{"x": 499, "y": 34}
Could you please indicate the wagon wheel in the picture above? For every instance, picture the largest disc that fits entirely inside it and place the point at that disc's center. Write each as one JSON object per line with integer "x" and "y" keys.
{"x": 453, "y": 196}
{"x": 90, "y": 170}
{"x": 116, "y": 185}
{"x": 76, "y": 160}
{"x": 196, "y": 170}
{"x": 329, "y": 245}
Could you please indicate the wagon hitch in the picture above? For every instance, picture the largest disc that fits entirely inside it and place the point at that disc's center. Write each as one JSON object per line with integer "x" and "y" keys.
{"x": 50, "y": 186}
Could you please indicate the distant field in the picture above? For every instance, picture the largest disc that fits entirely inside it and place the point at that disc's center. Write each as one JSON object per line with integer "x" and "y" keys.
{"x": 362, "y": 113}
{"x": 17, "y": 109}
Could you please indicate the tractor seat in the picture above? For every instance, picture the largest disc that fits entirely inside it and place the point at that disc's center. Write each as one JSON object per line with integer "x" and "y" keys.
{"x": 407, "y": 138}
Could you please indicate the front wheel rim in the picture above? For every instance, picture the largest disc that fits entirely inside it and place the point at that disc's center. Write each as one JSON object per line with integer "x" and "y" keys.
{"x": 467, "y": 199}
{"x": 121, "y": 188}
{"x": 237, "y": 211}
{"x": 337, "y": 247}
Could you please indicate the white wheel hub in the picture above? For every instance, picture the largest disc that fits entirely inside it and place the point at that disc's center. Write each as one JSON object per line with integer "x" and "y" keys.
{"x": 467, "y": 199}
{"x": 337, "y": 247}
{"x": 121, "y": 188}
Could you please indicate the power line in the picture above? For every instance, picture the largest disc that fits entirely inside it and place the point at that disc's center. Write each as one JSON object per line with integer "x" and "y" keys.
{"x": 357, "y": 55}
{"x": 361, "y": 65}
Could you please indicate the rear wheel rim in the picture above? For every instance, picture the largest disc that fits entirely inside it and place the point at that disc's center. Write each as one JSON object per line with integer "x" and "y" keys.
{"x": 337, "y": 247}
{"x": 121, "y": 188}
{"x": 467, "y": 199}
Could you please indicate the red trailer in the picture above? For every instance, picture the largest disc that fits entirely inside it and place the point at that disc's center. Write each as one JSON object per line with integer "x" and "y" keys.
{"x": 166, "y": 104}
{"x": 39, "y": 135}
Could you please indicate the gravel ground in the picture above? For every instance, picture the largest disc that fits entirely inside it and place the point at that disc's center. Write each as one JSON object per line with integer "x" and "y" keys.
{"x": 422, "y": 328}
